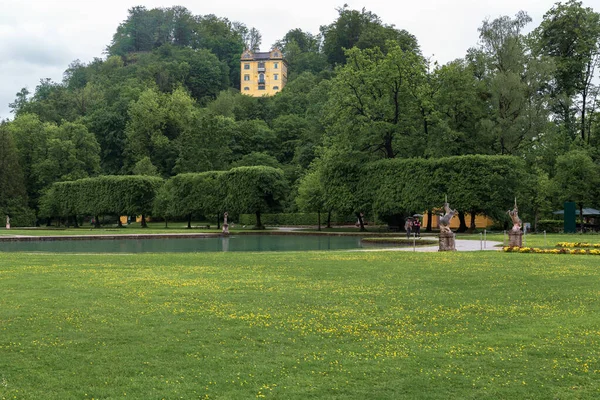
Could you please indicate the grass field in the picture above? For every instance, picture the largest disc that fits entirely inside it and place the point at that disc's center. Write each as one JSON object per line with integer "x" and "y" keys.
{"x": 346, "y": 325}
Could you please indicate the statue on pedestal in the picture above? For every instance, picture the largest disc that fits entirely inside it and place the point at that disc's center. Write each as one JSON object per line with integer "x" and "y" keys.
{"x": 225, "y": 224}
{"x": 515, "y": 236}
{"x": 7, "y": 222}
{"x": 446, "y": 218}
{"x": 447, "y": 242}
{"x": 514, "y": 216}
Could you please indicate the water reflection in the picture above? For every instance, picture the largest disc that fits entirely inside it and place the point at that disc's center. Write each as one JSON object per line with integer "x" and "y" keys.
{"x": 181, "y": 245}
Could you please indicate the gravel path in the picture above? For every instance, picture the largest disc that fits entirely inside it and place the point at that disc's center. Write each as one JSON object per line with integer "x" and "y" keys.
{"x": 461, "y": 245}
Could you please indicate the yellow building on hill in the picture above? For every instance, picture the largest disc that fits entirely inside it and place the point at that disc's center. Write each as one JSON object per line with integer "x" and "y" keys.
{"x": 262, "y": 74}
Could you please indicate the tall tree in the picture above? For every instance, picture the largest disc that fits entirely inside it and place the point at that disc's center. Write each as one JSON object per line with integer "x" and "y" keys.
{"x": 577, "y": 179}
{"x": 362, "y": 29}
{"x": 254, "y": 190}
{"x": 31, "y": 140}
{"x": 460, "y": 110}
{"x": 570, "y": 35}
{"x": 13, "y": 196}
{"x": 135, "y": 34}
{"x": 311, "y": 194}
{"x": 372, "y": 101}
{"x": 513, "y": 77}
{"x": 253, "y": 39}
{"x": 302, "y": 51}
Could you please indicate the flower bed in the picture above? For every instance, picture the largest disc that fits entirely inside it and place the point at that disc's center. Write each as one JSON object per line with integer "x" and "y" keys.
{"x": 577, "y": 244}
{"x": 562, "y": 250}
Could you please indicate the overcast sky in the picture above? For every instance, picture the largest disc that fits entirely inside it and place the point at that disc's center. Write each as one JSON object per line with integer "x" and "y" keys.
{"x": 39, "y": 38}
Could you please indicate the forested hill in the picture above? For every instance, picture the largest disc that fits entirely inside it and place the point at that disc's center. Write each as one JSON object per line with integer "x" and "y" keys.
{"x": 165, "y": 100}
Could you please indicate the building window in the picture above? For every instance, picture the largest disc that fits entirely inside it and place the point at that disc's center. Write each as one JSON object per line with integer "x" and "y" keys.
{"x": 275, "y": 65}
{"x": 261, "y": 87}
{"x": 275, "y": 87}
{"x": 261, "y": 78}
{"x": 276, "y": 54}
{"x": 246, "y": 66}
{"x": 246, "y": 88}
{"x": 246, "y": 77}
{"x": 275, "y": 77}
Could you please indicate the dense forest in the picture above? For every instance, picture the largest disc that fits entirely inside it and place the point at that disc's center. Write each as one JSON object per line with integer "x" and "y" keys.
{"x": 165, "y": 101}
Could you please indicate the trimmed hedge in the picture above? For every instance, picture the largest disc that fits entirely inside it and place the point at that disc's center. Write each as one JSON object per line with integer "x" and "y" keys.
{"x": 116, "y": 195}
{"x": 21, "y": 217}
{"x": 550, "y": 225}
{"x": 473, "y": 183}
{"x": 191, "y": 193}
{"x": 255, "y": 190}
{"x": 292, "y": 219}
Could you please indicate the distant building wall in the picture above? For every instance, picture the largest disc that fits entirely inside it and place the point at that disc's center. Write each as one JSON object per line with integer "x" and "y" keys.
{"x": 481, "y": 221}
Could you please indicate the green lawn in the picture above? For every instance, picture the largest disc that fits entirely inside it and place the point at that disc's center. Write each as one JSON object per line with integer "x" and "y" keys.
{"x": 347, "y": 325}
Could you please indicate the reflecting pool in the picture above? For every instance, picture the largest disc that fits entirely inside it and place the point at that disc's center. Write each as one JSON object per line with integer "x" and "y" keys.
{"x": 186, "y": 245}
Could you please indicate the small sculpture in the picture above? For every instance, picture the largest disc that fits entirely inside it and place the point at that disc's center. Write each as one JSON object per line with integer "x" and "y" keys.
{"x": 7, "y": 222}
{"x": 514, "y": 216}
{"x": 446, "y": 218}
{"x": 225, "y": 225}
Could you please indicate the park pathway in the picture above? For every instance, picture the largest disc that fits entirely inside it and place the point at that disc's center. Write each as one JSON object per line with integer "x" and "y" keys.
{"x": 461, "y": 245}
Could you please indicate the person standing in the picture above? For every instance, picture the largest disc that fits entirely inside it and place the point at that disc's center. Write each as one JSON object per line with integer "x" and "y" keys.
{"x": 417, "y": 227}
{"x": 408, "y": 227}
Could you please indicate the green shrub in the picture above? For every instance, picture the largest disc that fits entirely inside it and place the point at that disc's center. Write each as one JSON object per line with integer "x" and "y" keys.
{"x": 21, "y": 217}
{"x": 550, "y": 225}
{"x": 293, "y": 219}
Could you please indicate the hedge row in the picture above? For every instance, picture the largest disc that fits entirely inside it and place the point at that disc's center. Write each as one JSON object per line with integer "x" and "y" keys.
{"x": 19, "y": 217}
{"x": 116, "y": 195}
{"x": 256, "y": 190}
{"x": 475, "y": 184}
{"x": 292, "y": 219}
{"x": 245, "y": 189}
{"x": 550, "y": 225}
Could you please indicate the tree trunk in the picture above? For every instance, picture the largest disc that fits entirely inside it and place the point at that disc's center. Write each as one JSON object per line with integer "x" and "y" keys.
{"x": 218, "y": 221}
{"x": 319, "y": 220}
{"x": 583, "y": 118}
{"x": 581, "y": 217}
{"x": 96, "y": 222}
{"x": 166, "y": 223}
{"x": 258, "y": 221}
{"x": 584, "y": 96}
{"x": 75, "y": 224}
{"x": 329, "y": 219}
{"x": 473, "y": 216}
{"x": 360, "y": 221}
{"x": 189, "y": 221}
{"x": 429, "y": 222}
{"x": 144, "y": 225}
{"x": 461, "y": 218}
{"x": 119, "y": 223}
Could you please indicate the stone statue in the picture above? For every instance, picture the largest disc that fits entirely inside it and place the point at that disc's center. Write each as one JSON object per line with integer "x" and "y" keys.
{"x": 225, "y": 224}
{"x": 446, "y": 218}
{"x": 514, "y": 216}
{"x": 7, "y": 222}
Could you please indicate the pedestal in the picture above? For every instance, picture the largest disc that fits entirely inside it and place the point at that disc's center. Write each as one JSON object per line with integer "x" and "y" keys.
{"x": 226, "y": 228}
{"x": 515, "y": 238}
{"x": 447, "y": 241}
{"x": 7, "y": 226}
